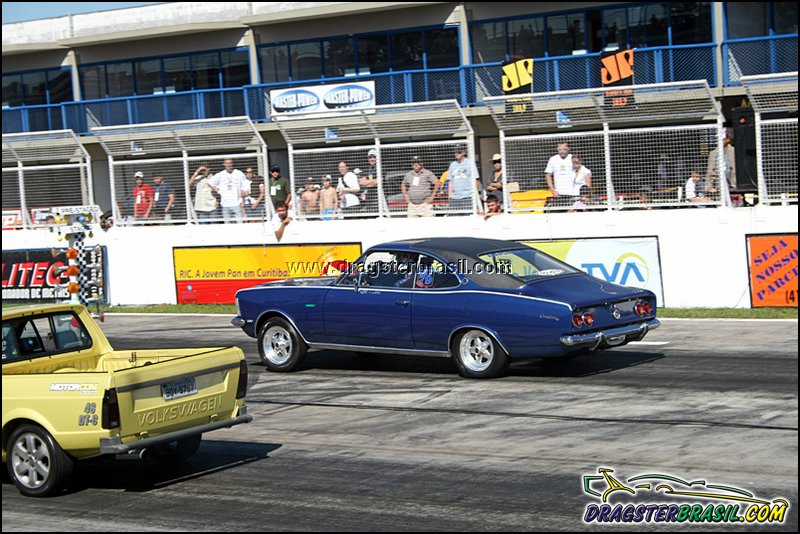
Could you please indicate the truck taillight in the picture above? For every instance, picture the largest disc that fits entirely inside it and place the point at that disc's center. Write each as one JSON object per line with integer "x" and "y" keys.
{"x": 241, "y": 388}
{"x": 110, "y": 409}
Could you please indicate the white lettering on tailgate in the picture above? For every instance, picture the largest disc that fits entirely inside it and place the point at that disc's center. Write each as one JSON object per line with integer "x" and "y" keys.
{"x": 186, "y": 409}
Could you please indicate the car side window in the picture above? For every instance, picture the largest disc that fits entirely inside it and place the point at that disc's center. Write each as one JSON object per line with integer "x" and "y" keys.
{"x": 41, "y": 336}
{"x": 433, "y": 274}
{"x": 389, "y": 270}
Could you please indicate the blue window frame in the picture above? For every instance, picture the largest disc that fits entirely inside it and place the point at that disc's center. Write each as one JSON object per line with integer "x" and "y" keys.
{"x": 336, "y": 56}
{"x": 37, "y": 87}
{"x": 213, "y": 69}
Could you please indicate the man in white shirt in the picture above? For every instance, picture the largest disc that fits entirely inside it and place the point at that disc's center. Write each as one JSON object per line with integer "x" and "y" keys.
{"x": 229, "y": 184}
{"x": 283, "y": 216}
{"x": 560, "y": 176}
{"x": 348, "y": 189}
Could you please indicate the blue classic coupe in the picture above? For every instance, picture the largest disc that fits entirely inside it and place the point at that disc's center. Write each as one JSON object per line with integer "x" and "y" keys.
{"x": 483, "y": 302}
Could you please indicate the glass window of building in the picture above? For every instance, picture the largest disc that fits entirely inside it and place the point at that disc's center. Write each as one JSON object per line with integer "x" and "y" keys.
{"x": 526, "y": 38}
{"x": 12, "y": 90}
{"x": 785, "y": 17}
{"x": 441, "y": 48}
{"x": 148, "y": 77}
{"x": 488, "y": 42}
{"x": 235, "y": 67}
{"x": 120, "y": 79}
{"x": 407, "y": 51}
{"x": 373, "y": 54}
{"x": 747, "y": 19}
{"x": 565, "y": 34}
{"x": 648, "y": 25}
{"x": 34, "y": 85}
{"x": 306, "y": 61}
{"x": 340, "y": 57}
{"x": 205, "y": 71}
{"x": 59, "y": 86}
{"x": 93, "y": 82}
{"x": 177, "y": 74}
{"x": 691, "y": 22}
{"x": 615, "y": 28}
{"x": 274, "y": 62}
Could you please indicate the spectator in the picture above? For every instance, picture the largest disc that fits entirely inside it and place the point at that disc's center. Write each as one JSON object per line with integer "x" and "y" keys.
{"x": 163, "y": 199}
{"x": 560, "y": 176}
{"x": 583, "y": 199}
{"x": 695, "y": 188}
{"x": 309, "y": 200}
{"x": 492, "y": 208}
{"x": 283, "y": 216}
{"x": 728, "y": 162}
{"x": 419, "y": 188}
{"x": 228, "y": 184}
{"x": 496, "y": 185}
{"x": 369, "y": 184}
{"x": 583, "y": 176}
{"x": 328, "y": 200}
{"x": 463, "y": 181}
{"x": 279, "y": 188}
{"x": 142, "y": 197}
{"x": 205, "y": 203}
{"x": 253, "y": 203}
{"x": 348, "y": 190}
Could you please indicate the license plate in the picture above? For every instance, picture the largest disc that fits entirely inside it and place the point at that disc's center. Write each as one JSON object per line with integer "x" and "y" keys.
{"x": 178, "y": 389}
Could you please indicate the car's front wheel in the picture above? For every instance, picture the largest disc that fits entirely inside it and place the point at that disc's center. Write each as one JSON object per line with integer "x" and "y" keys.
{"x": 36, "y": 463}
{"x": 478, "y": 355}
{"x": 280, "y": 346}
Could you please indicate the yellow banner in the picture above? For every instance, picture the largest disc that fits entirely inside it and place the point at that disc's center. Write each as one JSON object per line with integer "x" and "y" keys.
{"x": 259, "y": 262}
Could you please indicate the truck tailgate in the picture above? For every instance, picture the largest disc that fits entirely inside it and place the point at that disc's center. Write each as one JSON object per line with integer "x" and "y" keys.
{"x": 171, "y": 393}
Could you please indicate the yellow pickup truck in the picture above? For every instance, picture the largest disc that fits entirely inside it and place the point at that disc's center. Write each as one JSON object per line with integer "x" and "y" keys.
{"x": 67, "y": 395}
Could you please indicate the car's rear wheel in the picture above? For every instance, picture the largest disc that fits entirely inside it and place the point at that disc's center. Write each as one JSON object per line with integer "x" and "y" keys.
{"x": 176, "y": 451}
{"x": 478, "y": 355}
{"x": 280, "y": 346}
{"x": 37, "y": 465}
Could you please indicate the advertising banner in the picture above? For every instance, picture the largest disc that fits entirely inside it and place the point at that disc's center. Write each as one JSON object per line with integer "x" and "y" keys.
{"x": 213, "y": 275}
{"x": 322, "y": 98}
{"x": 772, "y": 265}
{"x": 630, "y": 261}
{"x": 32, "y": 275}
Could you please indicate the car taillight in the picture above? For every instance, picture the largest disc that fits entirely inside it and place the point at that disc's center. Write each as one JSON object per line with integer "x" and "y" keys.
{"x": 241, "y": 388}
{"x": 110, "y": 409}
{"x": 643, "y": 308}
{"x": 588, "y": 319}
{"x": 577, "y": 320}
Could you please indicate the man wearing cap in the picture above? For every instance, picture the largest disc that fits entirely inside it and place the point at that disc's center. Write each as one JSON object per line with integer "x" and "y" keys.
{"x": 419, "y": 189}
{"x": 496, "y": 185}
{"x": 142, "y": 197}
{"x": 369, "y": 184}
{"x": 228, "y": 184}
{"x": 279, "y": 188}
{"x": 463, "y": 181}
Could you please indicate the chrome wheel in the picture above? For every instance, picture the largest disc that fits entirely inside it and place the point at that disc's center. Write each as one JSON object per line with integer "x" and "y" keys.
{"x": 30, "y": 460}
{"x": 276, "y": 345}
{"x": 476, "y": 351}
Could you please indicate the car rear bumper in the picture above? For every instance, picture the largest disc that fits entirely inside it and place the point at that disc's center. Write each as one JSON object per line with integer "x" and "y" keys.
{"x": 611, "y": 337}
{"x": 115, "y": 445}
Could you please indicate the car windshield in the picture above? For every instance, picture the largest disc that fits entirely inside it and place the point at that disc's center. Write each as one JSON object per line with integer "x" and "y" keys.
{"x": 527, "y": 264}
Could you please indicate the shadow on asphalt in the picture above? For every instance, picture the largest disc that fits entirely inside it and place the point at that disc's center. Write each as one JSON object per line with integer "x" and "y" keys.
{"x": 602, "y": 362}
{"x": 130, "y": 473}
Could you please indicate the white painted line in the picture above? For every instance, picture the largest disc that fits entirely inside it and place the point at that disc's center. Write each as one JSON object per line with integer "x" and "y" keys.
{"x": 649, "y": 343}
{"x": 726, "y": 320}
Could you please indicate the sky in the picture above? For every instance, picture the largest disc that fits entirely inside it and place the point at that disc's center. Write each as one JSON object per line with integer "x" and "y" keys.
{"x": 22, "y": 11}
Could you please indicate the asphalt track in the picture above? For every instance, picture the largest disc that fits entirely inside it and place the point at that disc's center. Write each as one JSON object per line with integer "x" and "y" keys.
{"x": 388, "y": 443}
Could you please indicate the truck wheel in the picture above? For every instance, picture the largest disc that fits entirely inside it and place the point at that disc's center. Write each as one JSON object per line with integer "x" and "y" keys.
{"x": 176, "y": 451}
{"x": 280, "y": 346}
{"x": 477, "y": 355}
{"x": 37, "y": 465}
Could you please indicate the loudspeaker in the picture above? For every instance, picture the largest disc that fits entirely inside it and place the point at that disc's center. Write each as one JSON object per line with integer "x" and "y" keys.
{"x": 744, "y": 139}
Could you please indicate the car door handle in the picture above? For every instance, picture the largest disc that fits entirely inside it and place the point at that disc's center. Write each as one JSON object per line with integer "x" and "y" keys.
{"x": 402, "y": 302}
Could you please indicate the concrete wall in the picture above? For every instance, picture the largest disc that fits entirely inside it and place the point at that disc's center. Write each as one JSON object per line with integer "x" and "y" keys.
{"x": 703, "y": 252}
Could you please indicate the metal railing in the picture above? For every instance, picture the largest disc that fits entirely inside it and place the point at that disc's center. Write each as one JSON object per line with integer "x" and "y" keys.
{"x": 758, "y": 55}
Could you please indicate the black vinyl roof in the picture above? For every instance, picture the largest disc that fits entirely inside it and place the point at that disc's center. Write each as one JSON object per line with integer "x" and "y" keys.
{"x": 464, "y": 252}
